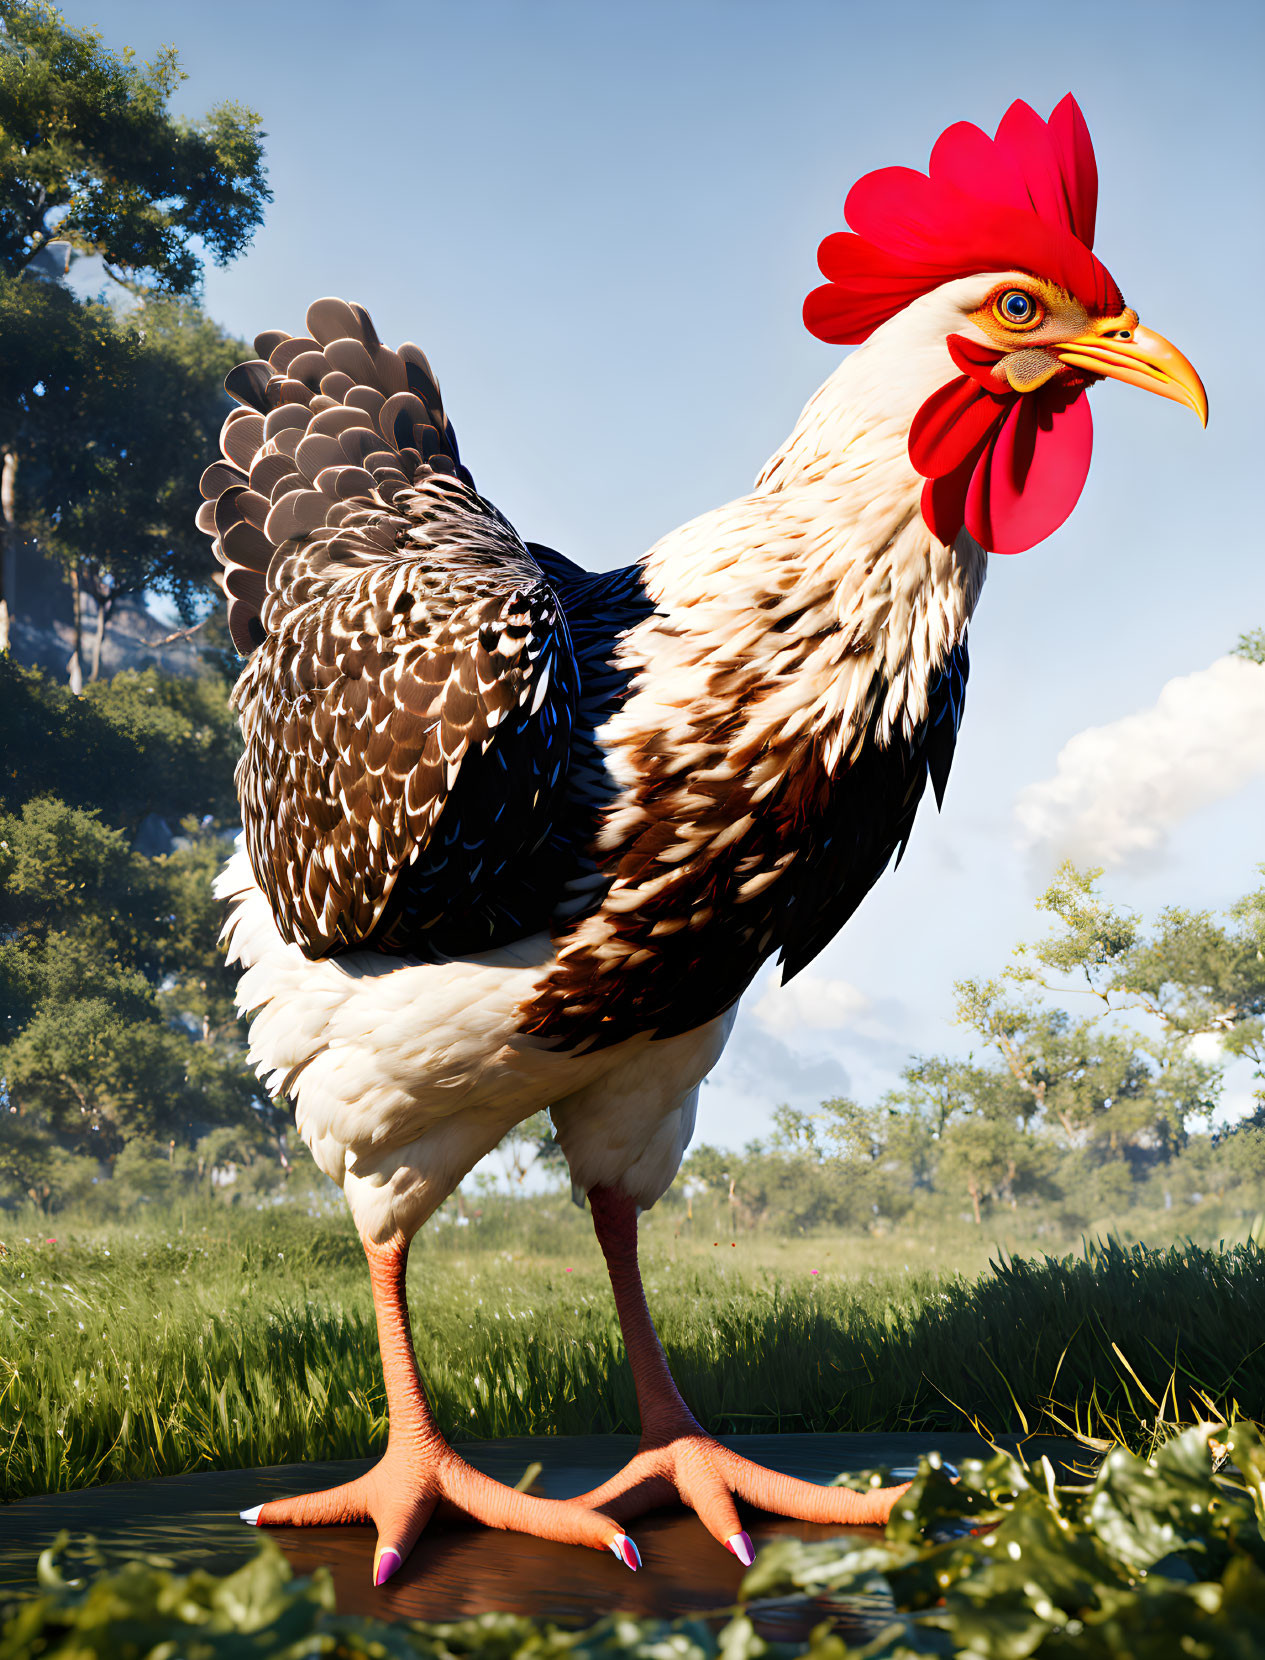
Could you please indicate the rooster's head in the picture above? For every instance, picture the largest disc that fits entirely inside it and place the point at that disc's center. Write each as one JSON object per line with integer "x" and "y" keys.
{"x": 1001, "y": 230}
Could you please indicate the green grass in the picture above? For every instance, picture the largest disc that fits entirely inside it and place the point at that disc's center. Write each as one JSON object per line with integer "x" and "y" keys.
{"x": 248, "y": 1339}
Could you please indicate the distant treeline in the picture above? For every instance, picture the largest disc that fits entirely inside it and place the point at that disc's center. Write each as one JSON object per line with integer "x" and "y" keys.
{"x": 808, "y": 1177}
{"x": 1082, "y": 1114}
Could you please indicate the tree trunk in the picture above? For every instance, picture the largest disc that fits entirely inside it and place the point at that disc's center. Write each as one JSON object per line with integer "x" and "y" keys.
{"x": 973, "y": 1190}
{"x": 74, "y": 669}
{"x": 8, "y": 539}
{"x": 105, "y": 610}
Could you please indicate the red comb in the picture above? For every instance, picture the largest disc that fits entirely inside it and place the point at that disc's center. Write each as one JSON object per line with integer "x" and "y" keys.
{"x": 1024, "y": 200}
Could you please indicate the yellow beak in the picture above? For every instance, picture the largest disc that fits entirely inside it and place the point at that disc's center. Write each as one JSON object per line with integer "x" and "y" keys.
{"x": 1141, "y": 359}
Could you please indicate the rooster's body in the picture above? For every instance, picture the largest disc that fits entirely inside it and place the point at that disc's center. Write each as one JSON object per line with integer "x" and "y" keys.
{"x": 731, "y": 742}
{"x": 519, "y": 836}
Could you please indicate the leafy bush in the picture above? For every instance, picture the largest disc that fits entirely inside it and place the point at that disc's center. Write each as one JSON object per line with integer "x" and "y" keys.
{"x": 1156, "y": 1557}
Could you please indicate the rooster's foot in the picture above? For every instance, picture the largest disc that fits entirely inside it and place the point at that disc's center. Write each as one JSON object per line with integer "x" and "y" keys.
{"x": 401, "y": 1492}
{"x": 693, "y": 1467}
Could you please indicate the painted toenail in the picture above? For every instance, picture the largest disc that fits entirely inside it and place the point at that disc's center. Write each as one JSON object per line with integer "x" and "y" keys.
{"x": 740, "y": 1545}
{"x": 626, "y": 1551}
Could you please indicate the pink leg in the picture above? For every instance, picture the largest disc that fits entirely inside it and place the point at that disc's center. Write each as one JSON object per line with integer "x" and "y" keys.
{"x": 419, "y": 1468}
{"x": 677, "y": 1458}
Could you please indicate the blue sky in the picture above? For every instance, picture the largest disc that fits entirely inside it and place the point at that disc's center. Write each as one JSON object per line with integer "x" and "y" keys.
{"x": 600, "y": 221}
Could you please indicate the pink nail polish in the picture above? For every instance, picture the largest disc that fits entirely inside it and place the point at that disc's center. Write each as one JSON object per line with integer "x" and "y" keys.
{"x": 388, "y": 1562}
{"x": 740, "y": 1544}
{"x": 626, "y": 1551}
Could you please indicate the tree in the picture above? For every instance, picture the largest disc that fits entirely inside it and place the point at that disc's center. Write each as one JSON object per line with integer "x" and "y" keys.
{"x": 1095, "y": 1074}
{"x": 104, "y": 423}
{"x": 1054, "y": 1104}
{"x": 979, "y": 1154}
{"x": 102, "y": 412}
{"x": 145, "y": 744}
{"x": 961, "y": 1125}
{"x": 1092, "y": 1080}
{"x": 1190, "y": 974}
{"x": 1251, "y": 645}
{"x": 117, "y": 1020}
{"x": 712, "y": 1170}
{"x": 529, "y": 1143}
{"x": 91, "y": 155}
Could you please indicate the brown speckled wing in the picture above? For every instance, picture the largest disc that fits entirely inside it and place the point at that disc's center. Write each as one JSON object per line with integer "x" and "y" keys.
{"x": 329, "y": 418}
{"x": 409, "y": 696}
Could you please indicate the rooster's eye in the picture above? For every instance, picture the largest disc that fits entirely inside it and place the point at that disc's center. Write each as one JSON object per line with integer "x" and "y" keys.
{"x": 1016, "y": 308}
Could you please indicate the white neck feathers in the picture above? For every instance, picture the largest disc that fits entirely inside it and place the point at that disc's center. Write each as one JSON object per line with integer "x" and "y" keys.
{"x": 826, "y": 574}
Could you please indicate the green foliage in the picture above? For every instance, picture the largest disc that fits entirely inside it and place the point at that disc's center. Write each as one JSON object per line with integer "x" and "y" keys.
{"x": 105, "y": 414}
{"x": 836, "y": 1167}
{"x": 116, "y": 1013}
{"x": 1252, "y": 645}
{"x": 1191, "y": 974}
{"x": 144, "y": 1612}
{"x": 1155, "y": 1557}
{"x": 145, "y": 743}
{"x": 978, "y": 1154}
{"x": 90, "y": 153}
{"x": 108, "y": 419}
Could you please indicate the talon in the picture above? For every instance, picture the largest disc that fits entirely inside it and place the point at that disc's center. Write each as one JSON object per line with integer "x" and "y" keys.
{"x": 251, "y": 1515}
{"x": 740, "y": 1544}
{"x": 386, "y": 1565}
{"x": 626, "y": 1551}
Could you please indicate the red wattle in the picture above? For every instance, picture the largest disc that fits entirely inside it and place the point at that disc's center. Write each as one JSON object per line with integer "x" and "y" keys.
{"x": 1030, "y": 476}
{"x": 977, "y": 360}
{"x": 943, "y": 500}
{"x": 952, "y": 423}
{"x": 1011, "y": 468}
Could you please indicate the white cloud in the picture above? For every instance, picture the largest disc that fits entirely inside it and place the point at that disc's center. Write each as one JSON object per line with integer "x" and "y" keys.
{"x": 1120, "y": 788}
{"x": 812, "y": 1003}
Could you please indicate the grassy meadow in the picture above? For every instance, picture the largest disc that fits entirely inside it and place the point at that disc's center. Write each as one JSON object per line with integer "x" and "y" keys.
{"x": 205, "y": 1336}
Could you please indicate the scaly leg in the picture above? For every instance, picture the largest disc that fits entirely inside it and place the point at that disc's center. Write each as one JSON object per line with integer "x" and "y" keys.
{"x": 677, "y": 1458}
{"x": 419, "y": 1468}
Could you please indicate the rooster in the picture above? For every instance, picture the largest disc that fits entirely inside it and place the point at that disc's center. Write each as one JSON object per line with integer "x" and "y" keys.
{"x": 518, "y": 835}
